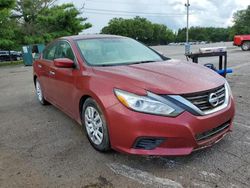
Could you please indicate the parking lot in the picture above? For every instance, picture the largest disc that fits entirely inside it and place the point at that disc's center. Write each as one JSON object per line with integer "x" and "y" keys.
{"x": 42, "y": 147}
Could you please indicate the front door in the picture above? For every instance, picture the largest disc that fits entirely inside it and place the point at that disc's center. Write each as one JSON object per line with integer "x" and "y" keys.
{"x": 64, "y": 79}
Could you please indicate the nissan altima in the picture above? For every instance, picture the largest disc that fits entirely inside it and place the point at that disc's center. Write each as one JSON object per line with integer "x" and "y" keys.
{"x": 132, "y": 99}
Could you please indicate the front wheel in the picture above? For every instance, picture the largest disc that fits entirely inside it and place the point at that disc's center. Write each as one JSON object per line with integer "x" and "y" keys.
{"x": 245, "y": 46}
{"x": 95, "y": 125}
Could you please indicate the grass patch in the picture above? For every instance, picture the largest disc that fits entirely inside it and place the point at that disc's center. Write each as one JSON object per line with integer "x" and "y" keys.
{"x": 10, "y": 63}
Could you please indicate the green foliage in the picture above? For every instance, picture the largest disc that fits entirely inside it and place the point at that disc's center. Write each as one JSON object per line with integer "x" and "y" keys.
{"x": 162, "y": 35}
{"x": 241, "y": 22}
{"x": 29, "y": 9}
{"x": 59, "y": 21}
{"x": 10, "y": 63}
{"x": 43, "y": 21}
{"x": 37, "y": 21}
{"x": 6, "y": 4}
{"x": 204, "y": 34}
{"x": 6, "y": 29}
{"x": 153, "y": 34}
{"x": 140, "y": 29}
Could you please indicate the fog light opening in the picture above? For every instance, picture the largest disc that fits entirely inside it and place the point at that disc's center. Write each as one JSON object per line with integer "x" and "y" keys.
{"x": 147, "y": 143}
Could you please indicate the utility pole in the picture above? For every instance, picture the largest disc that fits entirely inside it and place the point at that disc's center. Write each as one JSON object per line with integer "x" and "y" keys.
{"x": 187, "y": 46}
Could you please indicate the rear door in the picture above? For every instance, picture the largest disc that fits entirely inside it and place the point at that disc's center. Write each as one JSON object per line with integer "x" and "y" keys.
{"x": 44, "y": 68}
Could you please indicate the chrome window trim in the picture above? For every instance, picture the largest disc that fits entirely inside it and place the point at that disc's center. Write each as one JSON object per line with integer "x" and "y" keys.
{"x": 207, "y": 112}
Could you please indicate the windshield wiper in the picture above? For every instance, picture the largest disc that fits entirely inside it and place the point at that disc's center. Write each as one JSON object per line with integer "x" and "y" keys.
{"x": 140, "y": 62}
{"x": 125, "y": 63}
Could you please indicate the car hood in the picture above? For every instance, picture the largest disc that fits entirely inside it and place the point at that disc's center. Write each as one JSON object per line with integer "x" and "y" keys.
{"x": 166, "y": 77}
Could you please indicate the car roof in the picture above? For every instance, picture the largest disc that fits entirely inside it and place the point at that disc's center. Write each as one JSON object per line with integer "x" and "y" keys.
{"x": 4, "y": 52}
{"x": 90, "y": 36}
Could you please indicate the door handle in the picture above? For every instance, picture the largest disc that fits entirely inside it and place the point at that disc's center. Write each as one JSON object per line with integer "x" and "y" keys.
{"x": 39, "y": 66}
{"x": 52, "y": 72}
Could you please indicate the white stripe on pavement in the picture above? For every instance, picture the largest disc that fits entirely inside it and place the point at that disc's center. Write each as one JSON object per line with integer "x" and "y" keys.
{"x": 142, "y": 177}
{"x": 242, "y": 125}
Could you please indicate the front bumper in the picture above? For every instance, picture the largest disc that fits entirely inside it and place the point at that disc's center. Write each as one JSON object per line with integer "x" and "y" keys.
{"x": 178, "y": 135}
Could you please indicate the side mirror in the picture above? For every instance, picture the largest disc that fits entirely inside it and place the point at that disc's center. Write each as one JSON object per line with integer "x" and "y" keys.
{"x": 63, "y": 63}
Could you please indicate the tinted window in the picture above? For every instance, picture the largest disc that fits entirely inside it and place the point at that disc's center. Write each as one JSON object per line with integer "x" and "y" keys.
{"x": 64, "y": 51}
{"x": 49, "y": 53}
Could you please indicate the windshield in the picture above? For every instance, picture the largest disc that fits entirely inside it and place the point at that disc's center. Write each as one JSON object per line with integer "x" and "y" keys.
{"x": 116, "y": 51}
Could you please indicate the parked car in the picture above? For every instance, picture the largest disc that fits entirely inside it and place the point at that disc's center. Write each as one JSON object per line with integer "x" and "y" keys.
{"x": 10, "y": 55}
{"x": 131, "y": 98}
{"x": 242, "y": 41}
{"x": 16, "y": 55}
{"x": 4, "y": 56}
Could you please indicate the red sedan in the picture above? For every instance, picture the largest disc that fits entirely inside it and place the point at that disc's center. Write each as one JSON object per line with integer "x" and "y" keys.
{"x": 130, "y": 98}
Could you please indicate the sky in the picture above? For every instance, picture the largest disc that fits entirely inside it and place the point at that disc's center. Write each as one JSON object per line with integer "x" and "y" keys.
{"x": 172, "y": 13}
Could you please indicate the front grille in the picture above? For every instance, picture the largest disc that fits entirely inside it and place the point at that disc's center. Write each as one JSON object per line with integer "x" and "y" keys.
{"x": 148, "y": 143}
{"x": 201, "y": 99}
{"x": 212, "y": 132}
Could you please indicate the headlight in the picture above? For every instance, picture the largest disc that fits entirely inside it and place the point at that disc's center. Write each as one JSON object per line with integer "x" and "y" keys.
{"x": 228, "y": 89}
{"x": 152, "y": 103}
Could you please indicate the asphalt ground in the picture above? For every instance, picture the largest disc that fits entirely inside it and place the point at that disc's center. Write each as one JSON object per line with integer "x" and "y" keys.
{"x": 40, "y": 146}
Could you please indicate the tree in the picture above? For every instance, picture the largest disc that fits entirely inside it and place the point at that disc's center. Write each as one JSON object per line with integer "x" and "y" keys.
{"x": 162, "y": 35}
{"x": 29, "y": 9}
{"x": 140, "y": 29}
{"x": 26, "y": 11}
{"x": 241, "y": 22}
{"x": 211, "y": 34}
{"x": 60, "y": 21}
{"x": 42, "y": 21}
{"x": 7, "y": 25}
{"x": 6, "y": 4}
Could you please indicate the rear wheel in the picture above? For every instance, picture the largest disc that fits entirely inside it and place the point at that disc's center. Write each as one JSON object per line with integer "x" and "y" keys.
{"x": 245, "y": 45}
{"x": 39, "y": 93}
{"x": 95, "y": 125}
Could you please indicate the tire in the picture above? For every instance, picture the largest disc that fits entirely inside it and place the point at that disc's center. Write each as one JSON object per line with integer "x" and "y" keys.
{"x": 95, "y": 125}
{"x": 39, "y": 93}
{"x": 245, "y": 45}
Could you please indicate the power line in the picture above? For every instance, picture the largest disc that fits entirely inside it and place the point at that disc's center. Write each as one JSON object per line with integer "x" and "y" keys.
{"x": 107, "y": 14}
{"x": 131, "y": 12}
{"x": 127, "y": 3}
{"x": 129, "y": 15}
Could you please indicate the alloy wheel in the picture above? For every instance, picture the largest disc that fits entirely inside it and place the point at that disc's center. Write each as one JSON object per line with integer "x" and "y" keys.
{"x": 39, "y": 91}
{"x": 94, "y": 125}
